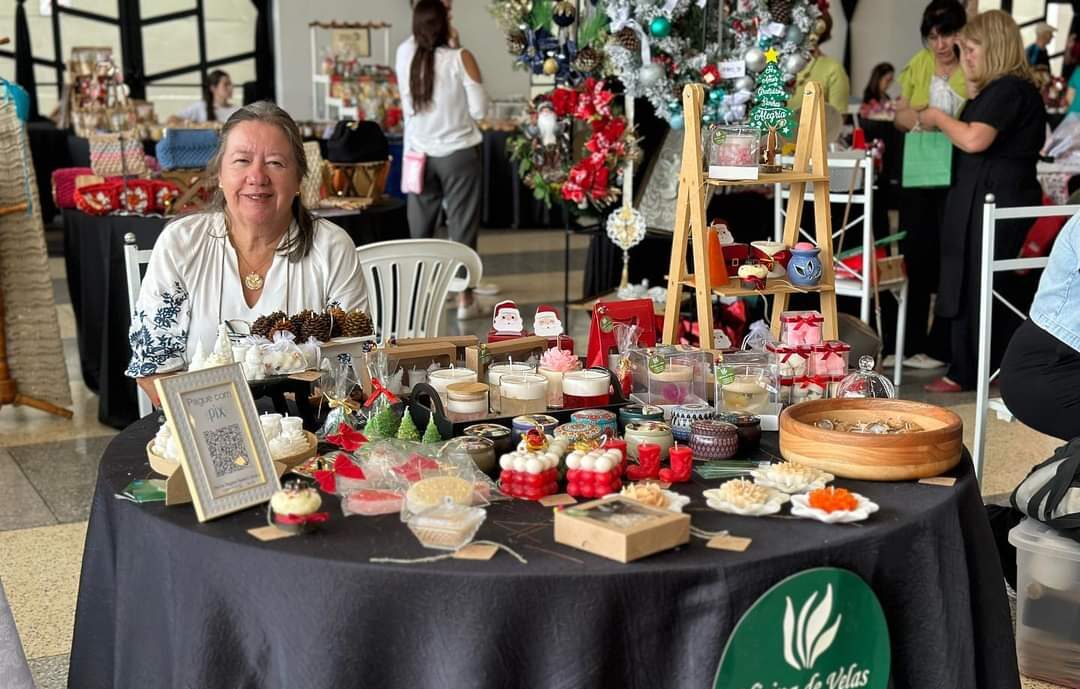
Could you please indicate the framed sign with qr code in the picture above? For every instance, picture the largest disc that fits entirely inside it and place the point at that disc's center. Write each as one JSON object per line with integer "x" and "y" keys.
{"x": 226, "y": 462}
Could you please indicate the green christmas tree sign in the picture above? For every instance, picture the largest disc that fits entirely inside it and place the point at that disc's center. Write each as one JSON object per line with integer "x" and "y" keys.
{"x": 770, "y": 100}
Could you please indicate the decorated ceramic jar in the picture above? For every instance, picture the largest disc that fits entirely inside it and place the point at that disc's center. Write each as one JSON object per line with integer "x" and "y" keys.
{"x": 804, "y": 268}
{"x": 522, "y": 424}
{"x": 499, "y": 435}
{"x": 580, "y": 436}
{"x": 633, "y": 413}
{"x": 684, "y": 415}
{"x": 655, "y": 432}
{"x": 712, "y": 439}
{"x": 601, "y": 418}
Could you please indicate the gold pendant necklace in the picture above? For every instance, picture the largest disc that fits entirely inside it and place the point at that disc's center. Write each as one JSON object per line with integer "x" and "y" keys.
{"x": 253, "y": 281}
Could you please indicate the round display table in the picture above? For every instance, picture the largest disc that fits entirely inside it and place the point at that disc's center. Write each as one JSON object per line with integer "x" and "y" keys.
{"x": 167, "y": 602}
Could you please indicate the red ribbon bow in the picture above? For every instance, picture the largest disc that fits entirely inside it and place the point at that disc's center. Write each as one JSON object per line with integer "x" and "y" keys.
{"x": 820, "y": 381}
{"x": 832, "y": 349}
{"x": 347, "y": 438}
{"x": 293, "y": 519}
{"x": 800, "y": 321}
{"x": 379, "y": 390}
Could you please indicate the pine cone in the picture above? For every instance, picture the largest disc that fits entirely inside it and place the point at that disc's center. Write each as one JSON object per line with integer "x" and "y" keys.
{"x": 263, "y": 324}
{"x": 628, "y": 39}
{"x": 516, "y": 43}
{"x": 317, "y": 326}
{"x": 282, "y": 325}
{"x": 357, "y": 324}
{"x": 587, "y": 60}
{"x": 337, "y": 316}
{"x": 780, "y": 10}
{"x": 298, "y": 322}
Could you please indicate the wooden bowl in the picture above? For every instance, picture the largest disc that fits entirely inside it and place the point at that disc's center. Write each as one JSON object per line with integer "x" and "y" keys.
{"x": 872, "y": 457}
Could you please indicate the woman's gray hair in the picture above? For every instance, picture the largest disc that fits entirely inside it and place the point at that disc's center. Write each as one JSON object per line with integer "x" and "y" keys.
{"x": 269, "y": 113}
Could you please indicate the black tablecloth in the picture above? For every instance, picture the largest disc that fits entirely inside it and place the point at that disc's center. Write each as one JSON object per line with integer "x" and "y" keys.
{"x": 48, "y": 147}
{"x": 167, "y": 602}
{"x": 94, "y": 256}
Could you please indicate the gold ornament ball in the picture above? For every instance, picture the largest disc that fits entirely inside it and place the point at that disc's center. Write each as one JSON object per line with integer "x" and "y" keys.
{"x": 819, "y": 26}
{"x": 550, "y": 66}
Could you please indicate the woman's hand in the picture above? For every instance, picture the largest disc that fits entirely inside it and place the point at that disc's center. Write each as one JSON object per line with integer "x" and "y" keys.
{"x": 930, "y": 118}
{"x": 906, "y": 119}
{"x": 147, "y": 385}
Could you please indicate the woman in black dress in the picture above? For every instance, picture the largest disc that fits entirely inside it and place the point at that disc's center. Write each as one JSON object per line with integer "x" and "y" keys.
{"x": 997, "y": 140}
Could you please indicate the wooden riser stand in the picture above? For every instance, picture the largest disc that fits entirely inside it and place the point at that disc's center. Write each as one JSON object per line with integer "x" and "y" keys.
{"x": 810, "y": 168}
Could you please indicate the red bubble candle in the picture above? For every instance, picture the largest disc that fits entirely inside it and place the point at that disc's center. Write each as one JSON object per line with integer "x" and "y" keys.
{"x": 620, "y": 445}
{"x": 529, "y": 475}
{"x": 593, "y": 474}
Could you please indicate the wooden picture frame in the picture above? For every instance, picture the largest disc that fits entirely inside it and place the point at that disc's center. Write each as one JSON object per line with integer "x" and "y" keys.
{"x": 225, "y": 458}
{"x": 355, "y": 40}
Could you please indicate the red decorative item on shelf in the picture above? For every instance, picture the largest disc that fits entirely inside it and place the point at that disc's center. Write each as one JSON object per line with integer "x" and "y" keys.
{"x": 648, "y": 465}
{"x": 710, "y": 75}
{"x": 682, "y": 459}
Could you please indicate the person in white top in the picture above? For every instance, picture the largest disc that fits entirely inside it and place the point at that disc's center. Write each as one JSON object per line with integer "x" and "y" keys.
{"x": 255, "y": 250}
{"x": 214, "y": 105}
{"x": 442, "y": 96}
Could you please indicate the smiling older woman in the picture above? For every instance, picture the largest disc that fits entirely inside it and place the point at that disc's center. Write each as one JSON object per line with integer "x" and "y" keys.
{"x": 255, "y": 250}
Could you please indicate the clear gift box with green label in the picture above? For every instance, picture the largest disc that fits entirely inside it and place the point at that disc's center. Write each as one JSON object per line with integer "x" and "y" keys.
{"x": 748, "y": 383}
{"x": 670, "y": 375}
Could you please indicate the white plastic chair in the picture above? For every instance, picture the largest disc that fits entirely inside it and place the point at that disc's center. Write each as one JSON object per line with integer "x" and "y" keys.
{"x": 989, "y": 265}
{"x": 851, "y": 282}
{"x": 407, "y": 281}
{"x": 134, "y": 259}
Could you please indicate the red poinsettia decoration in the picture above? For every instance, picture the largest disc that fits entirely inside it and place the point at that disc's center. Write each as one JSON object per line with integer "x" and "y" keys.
{"x": 564, "y": 101}
{"x": 593, "y": 100}
{"x": 347, "y": 438}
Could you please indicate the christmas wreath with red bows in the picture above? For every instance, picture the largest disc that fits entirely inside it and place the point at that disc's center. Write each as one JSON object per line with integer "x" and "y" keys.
{"x": 544, "y": 149}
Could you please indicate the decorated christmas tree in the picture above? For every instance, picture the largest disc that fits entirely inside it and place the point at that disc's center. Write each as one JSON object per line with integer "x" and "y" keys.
{"x": 770, "y": 100}
{"x": 408, "y": 430}
{"x": 382, "y": 425}
{"x": 431, "y": 433}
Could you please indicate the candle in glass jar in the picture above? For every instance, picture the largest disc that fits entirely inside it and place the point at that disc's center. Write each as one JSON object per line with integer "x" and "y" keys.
{"x": 522, "y": 394}
{"x": 467, "y": 401}
{"x": 585, "y": 389}
{"x": 495, "y": 373}
{"x": 441, "y": 378}
{"x": 672, "y": 385}
{"x": 417, "y": 376}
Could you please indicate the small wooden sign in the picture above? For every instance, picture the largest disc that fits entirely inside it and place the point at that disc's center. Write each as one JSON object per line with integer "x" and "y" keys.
{"x": 269, "y": 533}
{"x": 476, "y": 551}
{"x": 946, "y": 481}
{"x": 306, "y": 376}
{"x": 356, "y": 41}
{"x": 557, "y": 500}
{"x": 735, "y": 544}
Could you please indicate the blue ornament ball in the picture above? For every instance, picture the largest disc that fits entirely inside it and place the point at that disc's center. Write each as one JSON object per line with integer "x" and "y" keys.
{"x": 794, "y": 35}
{"x": 660, "y": 27}
{"x": 707, "y": 118}
{"x": 676, "y": 121}
{"x": 716, "y": 95}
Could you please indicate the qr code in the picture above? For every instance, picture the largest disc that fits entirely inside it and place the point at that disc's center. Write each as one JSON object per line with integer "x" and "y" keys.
{"x": 228, "y": 451}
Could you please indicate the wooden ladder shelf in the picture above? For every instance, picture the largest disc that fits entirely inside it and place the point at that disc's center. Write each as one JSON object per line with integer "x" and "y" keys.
{"x": 810, "y": 168}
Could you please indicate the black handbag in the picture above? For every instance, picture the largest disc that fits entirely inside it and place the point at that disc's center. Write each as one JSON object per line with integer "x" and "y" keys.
{"x": 1051, "y": 492}
{"x": 357, "y": 142}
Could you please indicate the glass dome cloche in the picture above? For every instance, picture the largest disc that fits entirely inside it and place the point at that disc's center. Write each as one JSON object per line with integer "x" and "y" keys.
{"x": 866, "y": 383}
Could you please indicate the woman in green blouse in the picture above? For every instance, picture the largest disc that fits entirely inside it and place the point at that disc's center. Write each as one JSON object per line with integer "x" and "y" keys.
{"x": 931, "y": 78}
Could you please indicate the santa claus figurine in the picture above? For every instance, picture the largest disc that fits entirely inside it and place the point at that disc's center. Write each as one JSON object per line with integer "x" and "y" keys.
{"x": 506, "y": 320}
{"x": 546, "y": 322}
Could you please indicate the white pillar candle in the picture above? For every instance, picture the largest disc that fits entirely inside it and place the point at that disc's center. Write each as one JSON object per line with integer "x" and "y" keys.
{"x": 586, "y": 383}
{"x": 523, "y": 394}
{"x": 271, "y": 425}
{"x": 494, "y": 377}
{"x": 417, "y": 376}
{"x": 443, "y": 377}
{"x": 292, "y": 425}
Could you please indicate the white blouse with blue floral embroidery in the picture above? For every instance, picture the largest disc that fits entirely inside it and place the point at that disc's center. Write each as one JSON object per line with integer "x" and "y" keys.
{"x": 193, "y": 283}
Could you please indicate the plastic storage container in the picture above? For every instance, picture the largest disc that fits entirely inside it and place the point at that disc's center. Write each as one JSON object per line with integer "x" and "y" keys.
{"x": 733, "y": 152}
{"x": 448, "y": 526}
{"x": 801, "y": 327}
{"x": 1047, "y": 603}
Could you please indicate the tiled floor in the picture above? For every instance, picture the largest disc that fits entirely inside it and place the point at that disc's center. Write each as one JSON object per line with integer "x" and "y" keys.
{"x": 48, "y": 465}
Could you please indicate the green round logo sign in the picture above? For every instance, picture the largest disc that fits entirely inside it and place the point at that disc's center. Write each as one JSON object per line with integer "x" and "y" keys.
{"x": 819, "y": 629}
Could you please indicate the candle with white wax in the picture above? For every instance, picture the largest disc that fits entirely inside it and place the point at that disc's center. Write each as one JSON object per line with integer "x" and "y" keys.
{"x": 523, "y": 394}
{"x": 495, "y": 374}
{"x": 441, "y": 378}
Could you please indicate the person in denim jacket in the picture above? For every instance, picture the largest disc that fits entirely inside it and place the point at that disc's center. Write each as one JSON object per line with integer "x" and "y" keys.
{"x": 1040, "y": 373}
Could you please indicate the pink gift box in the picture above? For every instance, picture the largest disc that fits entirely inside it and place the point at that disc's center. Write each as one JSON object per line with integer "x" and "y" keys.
{"x": 830, "y": 358}
{"x": 801, "y": 327}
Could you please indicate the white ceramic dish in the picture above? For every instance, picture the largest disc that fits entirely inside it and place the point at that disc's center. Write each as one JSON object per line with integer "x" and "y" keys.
{"x": 675, "y": 501}
{"x": 800, "y": 507}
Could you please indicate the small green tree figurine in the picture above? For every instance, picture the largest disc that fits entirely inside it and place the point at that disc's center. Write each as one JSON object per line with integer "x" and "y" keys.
{"x": 770, "y": 101}
{"x": 371, "y": 429}
{"x": 382, "y": 425}
{"x": 431, "y": 432}
{"x": 407, "y": 430}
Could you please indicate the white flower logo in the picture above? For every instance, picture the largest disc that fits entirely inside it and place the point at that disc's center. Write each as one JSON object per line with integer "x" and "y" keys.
{"x": 806, "y": 639}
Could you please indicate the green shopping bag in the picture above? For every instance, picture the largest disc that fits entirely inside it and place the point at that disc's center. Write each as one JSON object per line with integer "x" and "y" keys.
{"x": 927, "y": 160}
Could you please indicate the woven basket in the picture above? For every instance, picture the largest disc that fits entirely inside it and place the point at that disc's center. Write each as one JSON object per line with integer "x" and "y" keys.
{"x": 357, "y": 180}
